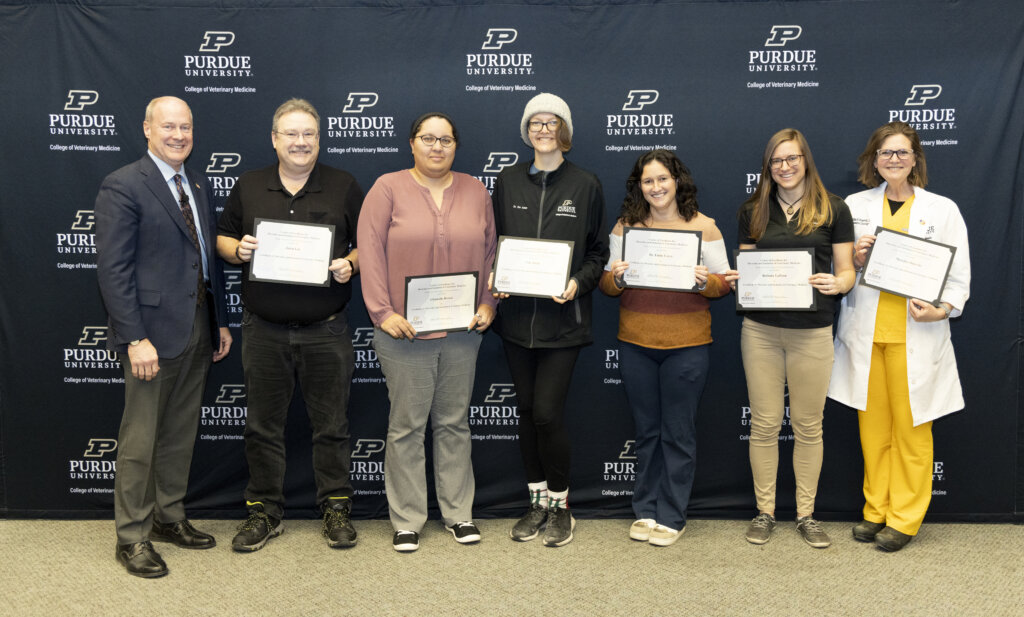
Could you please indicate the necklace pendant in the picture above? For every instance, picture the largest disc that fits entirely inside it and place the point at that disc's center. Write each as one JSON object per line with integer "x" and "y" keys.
{"x": 789, "y": 211}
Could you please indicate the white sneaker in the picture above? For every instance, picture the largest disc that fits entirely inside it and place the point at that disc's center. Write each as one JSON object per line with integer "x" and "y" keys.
{"x": 641, "y": 529}
{"x": 664, "y": 536}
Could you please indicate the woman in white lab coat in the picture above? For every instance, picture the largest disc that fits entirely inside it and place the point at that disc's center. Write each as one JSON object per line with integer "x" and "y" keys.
{"x": 894, "y": 359}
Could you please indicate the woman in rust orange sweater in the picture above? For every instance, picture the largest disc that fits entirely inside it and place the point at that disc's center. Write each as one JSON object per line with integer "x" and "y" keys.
{"x": 663, "y": 355}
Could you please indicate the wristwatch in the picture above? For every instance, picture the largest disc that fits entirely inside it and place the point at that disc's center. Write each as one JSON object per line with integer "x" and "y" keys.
{"x": 135, "y": 342}
{"x": 948, "y": 310}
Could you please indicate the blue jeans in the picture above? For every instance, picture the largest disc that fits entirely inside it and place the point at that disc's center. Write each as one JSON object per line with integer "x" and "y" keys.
{"x": 664, "y": 387}
{"x": 320, "y": 356}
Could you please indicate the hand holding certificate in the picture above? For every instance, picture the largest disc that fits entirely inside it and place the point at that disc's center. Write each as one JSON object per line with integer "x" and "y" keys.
{"x": 775, "y": 280}
{"x": 908, "y": 266}
{"x": 441, "y": 303}
{"x": 661, "y": 258}
{"x": 297, "y": 253}
{"x": 532, "y": 267}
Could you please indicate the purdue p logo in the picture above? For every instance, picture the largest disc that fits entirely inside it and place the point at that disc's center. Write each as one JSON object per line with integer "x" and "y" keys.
{"x": 920, "y": 94}
{"x": 92, "y": 336}
{"x": 782, "y": 35}
{"x": 99, "y": 447}
{"x": 78, "y": 99}
{"x": 213, "y": 40}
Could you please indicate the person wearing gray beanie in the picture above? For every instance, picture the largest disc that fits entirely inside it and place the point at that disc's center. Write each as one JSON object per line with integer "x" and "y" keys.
{"x": 545, "y": 102}
{"x": 548, "y": 198}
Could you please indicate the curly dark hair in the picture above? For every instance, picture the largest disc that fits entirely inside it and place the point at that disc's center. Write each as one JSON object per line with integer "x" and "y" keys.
{"x": 636, "y": 210}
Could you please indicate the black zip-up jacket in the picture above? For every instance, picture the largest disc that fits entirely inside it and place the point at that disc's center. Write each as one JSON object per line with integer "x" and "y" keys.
{"x": 564, "y": 204}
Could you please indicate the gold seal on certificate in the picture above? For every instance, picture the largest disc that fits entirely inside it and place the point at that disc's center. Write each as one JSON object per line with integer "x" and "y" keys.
{"x": 661, "y": 258}
{"x": 441, "y": 303}
{"x": 532, "y": 267}
{"x": 775, "y": 280}
{"x": 296, "y": 253}
{"x": 908, "y": 266}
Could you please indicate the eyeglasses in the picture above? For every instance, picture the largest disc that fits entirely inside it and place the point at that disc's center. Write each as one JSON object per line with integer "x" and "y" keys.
{"x": 430, "y": 140}
{"x": 294, "y": 135}
{"x": 886, "y": 155}
{"x": 537, "y": 126}
{"x": 792, "y": 160}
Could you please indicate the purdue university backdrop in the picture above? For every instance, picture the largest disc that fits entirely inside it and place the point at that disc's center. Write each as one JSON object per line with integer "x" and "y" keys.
{"x": 709, "y": 80}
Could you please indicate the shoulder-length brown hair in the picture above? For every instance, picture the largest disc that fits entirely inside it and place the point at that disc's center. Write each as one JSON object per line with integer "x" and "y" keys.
{"x": 816, "y": 209}
{"x": 868, "y": 174}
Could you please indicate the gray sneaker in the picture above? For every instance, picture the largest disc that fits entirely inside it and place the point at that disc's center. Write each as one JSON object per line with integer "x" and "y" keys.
{"x": 528, "y": 527}
{"x": 560, "y": 527}
{"x": 812, "y": 532}
{"x": 760, "y": 529}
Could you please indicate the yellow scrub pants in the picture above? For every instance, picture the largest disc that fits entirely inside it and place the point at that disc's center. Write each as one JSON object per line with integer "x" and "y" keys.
{"x": 897, "y": 455}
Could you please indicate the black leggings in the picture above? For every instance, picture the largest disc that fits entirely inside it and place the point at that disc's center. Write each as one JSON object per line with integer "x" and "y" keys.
{"x": 541, "y": 378}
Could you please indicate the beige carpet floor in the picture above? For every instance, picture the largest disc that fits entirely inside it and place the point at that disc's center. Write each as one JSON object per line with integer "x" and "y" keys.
{"x": 67, "y": 568}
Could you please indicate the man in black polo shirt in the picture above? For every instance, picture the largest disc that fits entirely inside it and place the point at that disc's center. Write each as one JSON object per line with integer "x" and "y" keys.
{"x": 294, "y": 331}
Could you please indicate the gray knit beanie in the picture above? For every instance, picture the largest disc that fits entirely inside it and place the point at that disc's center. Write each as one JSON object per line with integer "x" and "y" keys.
{"x": 545, "y": 102}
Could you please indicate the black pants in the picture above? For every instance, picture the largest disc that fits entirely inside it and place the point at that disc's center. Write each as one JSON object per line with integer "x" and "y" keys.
{"x": 320, "y": 356}
{"x": 541, "y": 378}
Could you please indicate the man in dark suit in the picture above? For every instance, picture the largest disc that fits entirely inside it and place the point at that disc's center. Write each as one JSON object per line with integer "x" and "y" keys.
{"x": 163, "y": 289}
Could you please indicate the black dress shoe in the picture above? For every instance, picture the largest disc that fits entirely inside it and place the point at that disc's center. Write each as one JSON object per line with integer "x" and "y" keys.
{"x": 140, "y": 559}
{"x": 181, "y": 534}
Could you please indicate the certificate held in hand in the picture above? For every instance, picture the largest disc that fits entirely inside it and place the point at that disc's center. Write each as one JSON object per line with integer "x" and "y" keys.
{"x": 908, "y": 266}
{"x": 661, "y": 258}
{"x": 441, "y": 303}
{"x": 296, "y": 253}
{"x": 532, "y": 267}
{"x": 775, "y": 280}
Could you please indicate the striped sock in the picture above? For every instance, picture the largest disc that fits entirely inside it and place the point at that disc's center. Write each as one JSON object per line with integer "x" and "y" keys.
{"x": 538, "y": 493}
{"x": 559, "y": 499}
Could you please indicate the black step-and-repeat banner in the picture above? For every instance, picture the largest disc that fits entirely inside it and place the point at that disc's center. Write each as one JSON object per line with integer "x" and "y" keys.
{"x": 709, "y": 80}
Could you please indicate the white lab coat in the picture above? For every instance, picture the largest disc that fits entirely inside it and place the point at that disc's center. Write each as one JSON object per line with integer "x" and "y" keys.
{"x": 932, "y": 375}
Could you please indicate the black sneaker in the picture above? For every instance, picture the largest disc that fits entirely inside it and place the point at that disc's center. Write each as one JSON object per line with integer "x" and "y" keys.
{"x": 560, "y": 527}
{"x": 337, "y": 527}
{"x": 530, "y": 525}
{"x": 256, "y": 530}
{"x": 465, "y": 532}
{"x": 406, "y": 541}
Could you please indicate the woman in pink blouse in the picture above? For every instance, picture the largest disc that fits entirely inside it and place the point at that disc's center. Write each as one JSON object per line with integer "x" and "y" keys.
{"x": 427, "y": 221}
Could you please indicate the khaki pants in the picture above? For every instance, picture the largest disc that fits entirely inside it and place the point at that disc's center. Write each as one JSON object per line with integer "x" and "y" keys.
{"x": 772, "y": 359}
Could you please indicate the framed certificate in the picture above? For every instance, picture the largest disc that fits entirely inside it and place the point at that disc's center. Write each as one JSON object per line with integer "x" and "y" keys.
{"x": 441, "y": 302}
{"x": 775, "y": 280}
{"x": 294, "y": 253}
{"x": 532, "y": 267}
{"x": 661, "y": 258}
{"x": 908, "y": 266}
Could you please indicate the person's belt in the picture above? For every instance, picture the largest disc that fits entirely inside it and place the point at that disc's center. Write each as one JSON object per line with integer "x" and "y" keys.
{"x": 304, "y": 324}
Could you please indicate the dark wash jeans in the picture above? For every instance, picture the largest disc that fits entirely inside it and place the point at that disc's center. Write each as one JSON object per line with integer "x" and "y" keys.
{"x": 320, "y": 356}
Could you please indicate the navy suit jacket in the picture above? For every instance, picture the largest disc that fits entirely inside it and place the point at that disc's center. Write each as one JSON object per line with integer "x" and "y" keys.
{"x": 146, "y": 261}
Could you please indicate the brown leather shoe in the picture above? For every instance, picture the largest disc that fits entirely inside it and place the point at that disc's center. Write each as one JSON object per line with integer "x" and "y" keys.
{"x": 181, "y": 534}
{"x": 865, "y": 531}
{"x": 891, "y": 540}
{"x": 139, "y": 559}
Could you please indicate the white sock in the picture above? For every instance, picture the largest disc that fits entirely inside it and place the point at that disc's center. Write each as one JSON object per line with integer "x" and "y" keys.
{"x": 558, "y": 499}
{"x": 538, "y": 493}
